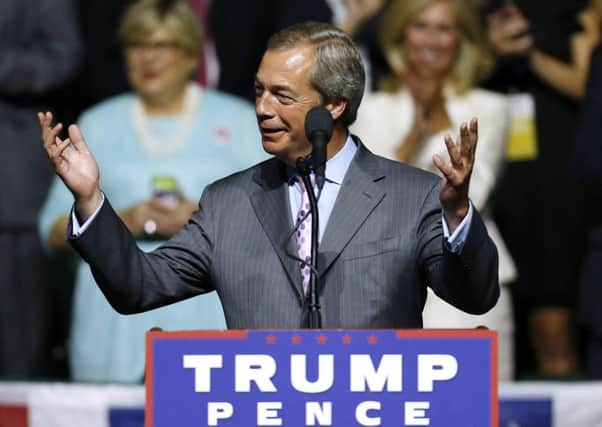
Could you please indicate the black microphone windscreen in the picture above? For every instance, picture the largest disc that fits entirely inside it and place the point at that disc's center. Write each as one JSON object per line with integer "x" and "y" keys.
{"x": 318, "y": 119}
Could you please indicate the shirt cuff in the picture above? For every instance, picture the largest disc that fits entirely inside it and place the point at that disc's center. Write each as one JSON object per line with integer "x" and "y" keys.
{"x": 455, "y": 242}
{"x": 76, "y": 229}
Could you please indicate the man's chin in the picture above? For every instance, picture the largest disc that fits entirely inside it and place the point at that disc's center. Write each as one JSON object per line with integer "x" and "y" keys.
{"x": 276, "y": 149}
{"x": 270, "y": 145}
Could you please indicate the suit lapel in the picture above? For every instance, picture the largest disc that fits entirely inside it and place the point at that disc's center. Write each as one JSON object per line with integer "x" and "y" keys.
{"x": 271, "y": 204}
{"x": 359, "y": 195}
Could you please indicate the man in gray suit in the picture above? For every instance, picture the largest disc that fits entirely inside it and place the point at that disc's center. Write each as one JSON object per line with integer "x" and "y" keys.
{"x": 382, "y": 241}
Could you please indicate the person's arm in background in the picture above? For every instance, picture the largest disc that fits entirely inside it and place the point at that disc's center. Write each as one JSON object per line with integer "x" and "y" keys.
{"x": 570, "y": 78}
{"x": 509, "y": 36}
{"x": 49, "y": 58}
{"x": 358, "y": 12}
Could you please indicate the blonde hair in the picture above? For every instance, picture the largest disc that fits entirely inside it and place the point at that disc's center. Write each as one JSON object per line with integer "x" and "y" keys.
{"x": 143, "y": 16}
{"x": 473, "y": 61}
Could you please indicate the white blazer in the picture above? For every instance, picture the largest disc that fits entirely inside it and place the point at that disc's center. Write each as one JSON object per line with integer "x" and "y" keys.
{"x": 384, "y": 120}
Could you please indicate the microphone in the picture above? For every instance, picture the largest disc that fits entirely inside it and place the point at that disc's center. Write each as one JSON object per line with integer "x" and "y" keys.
{"x": 318, "y": 129}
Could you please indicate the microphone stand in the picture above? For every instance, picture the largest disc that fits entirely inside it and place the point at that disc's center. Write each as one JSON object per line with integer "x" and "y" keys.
{"x": 313, "y": 296}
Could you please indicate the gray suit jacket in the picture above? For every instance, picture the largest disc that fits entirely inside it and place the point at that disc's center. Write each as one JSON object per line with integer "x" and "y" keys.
{"x": 382, "y": 246}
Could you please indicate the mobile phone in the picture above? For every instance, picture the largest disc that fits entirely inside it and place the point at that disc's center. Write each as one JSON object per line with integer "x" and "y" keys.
{"x": 165, "y": 189}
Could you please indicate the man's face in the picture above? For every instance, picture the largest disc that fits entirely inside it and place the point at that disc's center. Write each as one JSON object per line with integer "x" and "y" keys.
{"x": 283, "y": 96}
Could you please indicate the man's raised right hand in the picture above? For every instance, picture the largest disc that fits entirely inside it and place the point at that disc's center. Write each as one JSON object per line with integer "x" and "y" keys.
{"x": 74, "y": 164}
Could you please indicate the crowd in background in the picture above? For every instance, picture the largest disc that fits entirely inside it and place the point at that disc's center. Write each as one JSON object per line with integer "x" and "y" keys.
{"x": 163, "y": 90}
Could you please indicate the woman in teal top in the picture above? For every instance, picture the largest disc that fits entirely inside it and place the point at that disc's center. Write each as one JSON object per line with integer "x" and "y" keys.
{"x": 157, "y": 147}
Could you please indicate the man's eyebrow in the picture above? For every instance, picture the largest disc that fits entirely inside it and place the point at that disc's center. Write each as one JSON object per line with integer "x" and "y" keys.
{"x": 283, "y": 88}
{"x": 276, "y": 87}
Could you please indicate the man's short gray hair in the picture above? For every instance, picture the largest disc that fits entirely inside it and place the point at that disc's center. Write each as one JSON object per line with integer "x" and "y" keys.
{"x": 339, "y": 71}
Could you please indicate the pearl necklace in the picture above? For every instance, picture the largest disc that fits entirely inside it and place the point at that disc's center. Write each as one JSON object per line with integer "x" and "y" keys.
{"x": 180, "y": 136}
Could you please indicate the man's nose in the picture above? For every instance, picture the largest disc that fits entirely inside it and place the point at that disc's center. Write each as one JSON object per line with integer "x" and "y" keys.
{"x": 263, "y": 105}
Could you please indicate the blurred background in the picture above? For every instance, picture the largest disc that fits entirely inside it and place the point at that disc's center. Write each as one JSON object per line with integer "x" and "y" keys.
{"x": 164, "y": 93}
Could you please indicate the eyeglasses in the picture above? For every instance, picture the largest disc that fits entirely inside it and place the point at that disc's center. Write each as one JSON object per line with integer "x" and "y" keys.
{"x": 160, "y": 47}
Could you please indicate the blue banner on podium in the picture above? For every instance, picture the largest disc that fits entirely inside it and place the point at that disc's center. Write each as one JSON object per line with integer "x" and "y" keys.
{"x": 341, "y": 378}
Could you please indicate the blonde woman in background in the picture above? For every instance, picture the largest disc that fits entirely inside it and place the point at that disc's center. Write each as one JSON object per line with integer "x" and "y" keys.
{"x": 435, "y": 50}
{"x": 168, "y": 131}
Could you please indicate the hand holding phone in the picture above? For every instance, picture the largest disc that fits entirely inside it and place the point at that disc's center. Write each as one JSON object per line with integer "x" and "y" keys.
{"x": 509, "y": 31}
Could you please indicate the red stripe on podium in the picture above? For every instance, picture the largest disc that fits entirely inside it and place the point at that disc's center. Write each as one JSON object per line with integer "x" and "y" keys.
{"x": 13, "y": 416}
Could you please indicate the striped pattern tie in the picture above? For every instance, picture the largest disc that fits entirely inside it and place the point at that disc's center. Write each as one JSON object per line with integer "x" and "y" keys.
{"x": 303, "y": 235}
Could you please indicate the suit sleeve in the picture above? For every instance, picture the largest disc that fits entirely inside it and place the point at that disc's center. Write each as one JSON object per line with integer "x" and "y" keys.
{"x": 469, "y": 279}
{"x": 134, "y": 281}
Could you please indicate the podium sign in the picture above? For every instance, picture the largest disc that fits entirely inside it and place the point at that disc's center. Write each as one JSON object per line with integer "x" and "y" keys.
{"x": 322, "y": 378}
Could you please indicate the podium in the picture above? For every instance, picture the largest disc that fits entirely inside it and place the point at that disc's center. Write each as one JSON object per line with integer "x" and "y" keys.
{"x": 341, "y": 378}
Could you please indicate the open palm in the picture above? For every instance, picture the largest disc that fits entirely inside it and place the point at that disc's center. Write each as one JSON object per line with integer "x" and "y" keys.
{"x": 456, "y": 176}
{"x": 72, "y": 160}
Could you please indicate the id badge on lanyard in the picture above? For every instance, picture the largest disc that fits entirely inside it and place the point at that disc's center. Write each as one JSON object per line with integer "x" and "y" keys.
{"x": 522, "y": 135}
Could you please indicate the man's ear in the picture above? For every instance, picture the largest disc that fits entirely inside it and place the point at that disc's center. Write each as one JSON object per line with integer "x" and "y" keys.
{"x": 336, "y": 107}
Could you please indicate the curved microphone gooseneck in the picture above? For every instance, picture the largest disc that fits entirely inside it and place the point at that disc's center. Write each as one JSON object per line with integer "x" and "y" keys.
{"x": 318, "y": 129}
